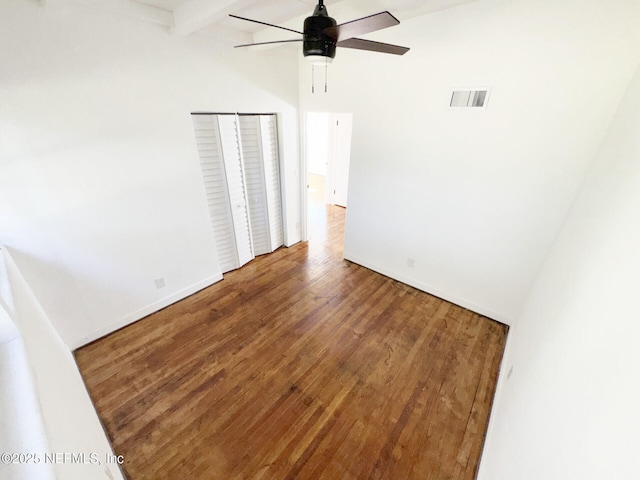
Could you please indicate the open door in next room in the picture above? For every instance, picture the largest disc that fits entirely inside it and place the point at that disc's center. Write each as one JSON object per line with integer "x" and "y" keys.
{"x": 327, "y": 153}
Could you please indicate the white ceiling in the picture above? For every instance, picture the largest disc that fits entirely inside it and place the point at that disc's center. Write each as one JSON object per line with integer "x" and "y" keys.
{"x": 211, "y": 17}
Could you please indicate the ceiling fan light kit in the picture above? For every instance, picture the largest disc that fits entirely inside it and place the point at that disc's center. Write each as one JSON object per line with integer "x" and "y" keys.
{"x": 321, "y": 35}
{"x": 316, "y": 40}
{"x": 318, "y": 59}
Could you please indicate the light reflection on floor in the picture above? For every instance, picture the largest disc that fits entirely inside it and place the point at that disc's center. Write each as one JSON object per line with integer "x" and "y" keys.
{"x": 317, "y": 214}
{"x": 325, "y": 230}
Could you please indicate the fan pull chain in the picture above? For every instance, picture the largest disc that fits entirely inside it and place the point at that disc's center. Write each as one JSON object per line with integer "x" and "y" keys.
{"x": 313, "y": 77}
{"x": 326, "y": 64}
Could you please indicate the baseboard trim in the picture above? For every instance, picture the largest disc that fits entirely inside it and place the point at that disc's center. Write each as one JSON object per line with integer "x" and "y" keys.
{"x": 143, "y": 312}
{"x": 430, "y": 289}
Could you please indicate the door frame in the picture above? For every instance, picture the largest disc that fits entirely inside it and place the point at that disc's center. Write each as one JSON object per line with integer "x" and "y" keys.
{"x": 304, "y": 170}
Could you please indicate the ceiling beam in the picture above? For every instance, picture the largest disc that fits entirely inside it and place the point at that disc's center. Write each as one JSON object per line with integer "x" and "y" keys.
{"x": 193, "y": 15}
{"x": 127, "y": 8}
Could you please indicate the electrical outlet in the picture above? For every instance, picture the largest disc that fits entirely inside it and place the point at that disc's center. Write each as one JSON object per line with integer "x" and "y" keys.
{"x": 159, "y": 283}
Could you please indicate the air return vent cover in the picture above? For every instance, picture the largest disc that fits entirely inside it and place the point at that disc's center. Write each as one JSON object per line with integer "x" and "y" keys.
{"x": 470, "y": 98}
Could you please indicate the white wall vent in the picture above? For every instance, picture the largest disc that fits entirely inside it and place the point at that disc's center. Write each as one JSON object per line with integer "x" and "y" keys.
{"x": 470, "y": 98}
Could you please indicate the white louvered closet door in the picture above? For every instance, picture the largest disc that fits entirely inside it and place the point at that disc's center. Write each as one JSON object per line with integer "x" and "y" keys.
{"x": 252, "y": 157}
{"x": 232, "y": 159}
{"x": 259, "y": 139}
{"x": 269, "y": 140}
{"x": 215, "y": 183}
{"x": 241, "y": 171}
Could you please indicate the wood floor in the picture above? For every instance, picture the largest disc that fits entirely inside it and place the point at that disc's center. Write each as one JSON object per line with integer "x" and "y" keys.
{"x": 300, "y": 365}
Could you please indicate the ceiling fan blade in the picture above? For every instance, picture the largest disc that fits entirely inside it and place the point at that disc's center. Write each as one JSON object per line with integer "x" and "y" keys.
{"x": 267, "y": 24}
{"x": 361, "y": 44}
{"x": 269, "y": 43}
{"x": 361, "y": 26}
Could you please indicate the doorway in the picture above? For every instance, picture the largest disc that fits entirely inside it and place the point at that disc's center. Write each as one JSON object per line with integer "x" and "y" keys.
{"x": 327, "y": 146}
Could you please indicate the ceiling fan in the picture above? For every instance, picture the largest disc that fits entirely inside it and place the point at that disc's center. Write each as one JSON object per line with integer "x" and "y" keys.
{"x": 321, "y": 35}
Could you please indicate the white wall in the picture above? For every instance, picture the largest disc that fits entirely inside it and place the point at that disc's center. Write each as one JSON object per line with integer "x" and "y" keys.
{"x": 100, "y": 187}
{"x": 21, "y": 424}
{"x": 46, "y": 407}
{"x": 476, "y": 198}
{"x": 570, "y": 407}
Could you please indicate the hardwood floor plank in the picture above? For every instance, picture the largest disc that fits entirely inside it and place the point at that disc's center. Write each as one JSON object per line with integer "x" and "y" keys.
{"x": 299, "y": 365}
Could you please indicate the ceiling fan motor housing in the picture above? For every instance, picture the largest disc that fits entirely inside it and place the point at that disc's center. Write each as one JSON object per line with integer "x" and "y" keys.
{"x": 316, "y": 41}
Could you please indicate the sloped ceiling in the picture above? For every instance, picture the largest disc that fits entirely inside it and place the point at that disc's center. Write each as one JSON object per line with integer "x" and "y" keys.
{"x": 211, "y": 17}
